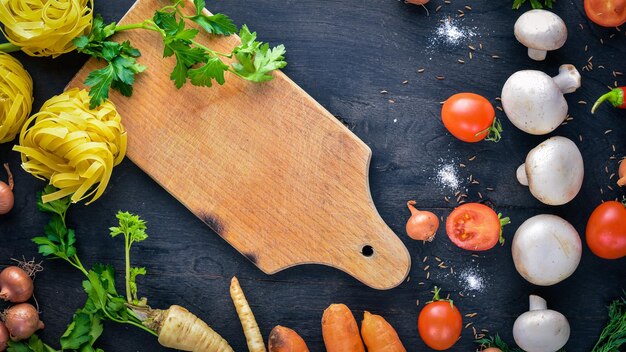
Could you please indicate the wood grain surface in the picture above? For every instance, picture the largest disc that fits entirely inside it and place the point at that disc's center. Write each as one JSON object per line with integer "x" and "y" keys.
{"x": 264, "y": 165}
{"x": 344, "y": 53}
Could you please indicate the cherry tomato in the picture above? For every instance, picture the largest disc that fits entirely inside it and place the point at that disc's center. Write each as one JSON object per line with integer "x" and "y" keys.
{"x": 475, "y": 227}
{"x": 468, "y": 116}
{"x": 439, "y": 325}
{"x": 607, "y": 13}
{"x": 606, "y": 230}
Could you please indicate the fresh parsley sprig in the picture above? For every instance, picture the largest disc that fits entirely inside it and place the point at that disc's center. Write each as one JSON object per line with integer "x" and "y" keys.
{"x": 103, "y": 301}
{"x": 252, "y": 60}
{"x": 536, "y": 4}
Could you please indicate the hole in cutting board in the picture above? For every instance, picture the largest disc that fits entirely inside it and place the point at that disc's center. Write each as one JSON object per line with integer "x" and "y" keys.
{"x": 367, "y": 251}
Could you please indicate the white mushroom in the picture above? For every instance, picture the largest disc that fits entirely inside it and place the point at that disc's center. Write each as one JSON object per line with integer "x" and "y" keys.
{"x": 534, "y": 101}
{"x": 553, "y": 171}
{"x": 541, "y": 329}
{"x": 546, "y": 250}
{"x": 541, "y": 31}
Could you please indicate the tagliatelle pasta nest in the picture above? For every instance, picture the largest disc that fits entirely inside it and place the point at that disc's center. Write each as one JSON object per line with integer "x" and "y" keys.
{"x": 16, "y": 97}
{"x": 72, "y": 146}
{"x": 45, "y": 27}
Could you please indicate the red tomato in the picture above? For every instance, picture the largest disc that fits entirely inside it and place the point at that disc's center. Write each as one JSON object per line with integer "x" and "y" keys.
{"x": 606, "y": 230}
{"x": 439, "y": 325}
{"x": 474, "y": 226}
{"x": 468, "y": 116}
{"x": 607, "y": 13}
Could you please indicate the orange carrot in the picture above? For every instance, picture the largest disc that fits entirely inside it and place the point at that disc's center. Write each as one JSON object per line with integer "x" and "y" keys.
{"x": 283, "y": 339}
{"x": 379, "y": 335}
{"x": 339, "y": 329}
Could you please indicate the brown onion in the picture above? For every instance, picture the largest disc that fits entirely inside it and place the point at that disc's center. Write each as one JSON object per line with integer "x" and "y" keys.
{"x": 422, "y": 225}
{"x": 22, "y": 320}
{"x": 15, "y": 285}
{"x": 4, "y": 336}
{"x": 6, "y": 193}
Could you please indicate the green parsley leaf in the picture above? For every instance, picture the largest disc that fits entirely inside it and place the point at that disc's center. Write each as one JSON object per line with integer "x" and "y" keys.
{"x": 58, "y": 241}
{"x": 535, "y": 4}
{"x": 255, "y": 60}
{"x": 219, "y": 23}
{"x": 130, "y": 226}
{"x": 100, "y": 82}
{"x": 58, "y": 206}
{"x": 34, "y": 344}
{"x": 134, "y": 272}
{"x": 213, "y": 69}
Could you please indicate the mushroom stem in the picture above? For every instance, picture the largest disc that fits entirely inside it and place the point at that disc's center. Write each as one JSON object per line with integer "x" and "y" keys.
{"x": 521, "y": 175}
{"x": 568, "y": 79}
{"x": 537, "y": 54}
{"x": 537, "y": 303}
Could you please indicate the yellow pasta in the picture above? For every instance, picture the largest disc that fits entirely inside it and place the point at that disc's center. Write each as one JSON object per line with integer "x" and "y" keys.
{"x": 73, "y": 147}
{"x": 45, "y": 27}
{"x": 16, "y": 97}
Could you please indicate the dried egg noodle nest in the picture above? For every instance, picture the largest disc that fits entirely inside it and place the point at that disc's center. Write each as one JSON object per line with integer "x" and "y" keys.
{"x": 16, "y": 97}
{"x": 72, "y": 146}
{"x": 45, "y": 27}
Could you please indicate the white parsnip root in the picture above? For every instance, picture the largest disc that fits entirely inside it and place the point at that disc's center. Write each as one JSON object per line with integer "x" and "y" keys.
{"x": 180, "y": 329}
{"x": 250, "y": 327}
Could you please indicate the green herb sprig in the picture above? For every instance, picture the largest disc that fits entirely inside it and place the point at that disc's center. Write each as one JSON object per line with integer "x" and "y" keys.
{"x": 536, "y": 4}
{"x": 103, "y": 301}
{"x": 253, "y": 60}
{"x": 613, "y": 336}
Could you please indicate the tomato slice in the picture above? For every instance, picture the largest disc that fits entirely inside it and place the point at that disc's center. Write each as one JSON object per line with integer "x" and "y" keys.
{"x": 607, "y": 13}
{"x": 474, "y": 226}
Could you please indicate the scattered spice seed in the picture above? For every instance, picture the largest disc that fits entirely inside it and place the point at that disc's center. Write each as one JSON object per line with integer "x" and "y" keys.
{"x": 498, "y": 99}
{"x": 499, "y": 108}
{"x": 471, "y": 48}
{"x": 580, "y": 136}
{"x": 446, "y": 199}
{"x": 609, "y": 187}
{"x": 383, "y": 92}
{"x": 470, "y": 55}
{"x": 462, "y": 202}
{"x": 490, "y": 189}
{"x": 457, "y": 193}
{"x": 461, "y": 294}
{"x": 408, "y": 279}
{"x": 427, "y": 275}
{"x": 474, "y": 330}
{"x": 608, "y": 131}
{"x": 405, "y": 82}
{"x": 425, "y": 259}
{"x": 451, "y": 271}
{"x": 606, "y": 169}
{"x": 468, "y": 325}
{"x": 581, "y": 26}
{"x": 426, "y": 267}
{"x": 472, "y": 158}
{"x": 421, "y": 70}
{"x": 438, "y": 259}
{"x": 418, "y": 302}
{"x": 612, "y": 175}
{"x": 448, "y": 296}
{"x": 582, "y": 102}
{"x": 438, "y": 8}
{"x": 475, "y": 255}
{"x": 495, "y": 57}
{"x": 461, "y": 165}
{"x": 460, "y": 61}
{"x": 601, "y": 191}
{"x": 612, "y": 157}
{"x": 480, "y": 195}
{"x": 420, "y": 283}
{"x": 586, "y": 48}
{"x": 391, "y": 101}
{"x": 467, "y": 7}
{"x": 440, "y": 78}
{"x": 613, "y": 147}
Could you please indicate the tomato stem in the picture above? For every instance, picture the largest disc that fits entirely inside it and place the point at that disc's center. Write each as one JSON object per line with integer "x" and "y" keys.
{"x": 436, "y": 297}
{"x": 503, "y": 222}
{"x": 494, "y": 132}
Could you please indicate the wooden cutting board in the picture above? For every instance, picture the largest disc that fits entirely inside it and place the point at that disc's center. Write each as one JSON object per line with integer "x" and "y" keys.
{"x": 264, "y": 165}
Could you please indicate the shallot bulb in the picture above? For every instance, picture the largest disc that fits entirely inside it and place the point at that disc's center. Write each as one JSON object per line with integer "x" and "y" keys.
{"x": 417, "y": 2}
{"x": 622, "y": 173}
{"x": 15, "y": 285}
{"x": 6, "y": 193}
{"x": 422, "y": 225}
{"x": 22, "y": 320}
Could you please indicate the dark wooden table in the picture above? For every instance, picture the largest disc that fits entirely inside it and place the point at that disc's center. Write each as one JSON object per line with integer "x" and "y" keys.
{"x": 344, "y": 53}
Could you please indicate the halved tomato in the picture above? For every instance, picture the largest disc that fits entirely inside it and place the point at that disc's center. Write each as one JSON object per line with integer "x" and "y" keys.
{"x": 607, "y": 13}
{"x": 475, "y": 227}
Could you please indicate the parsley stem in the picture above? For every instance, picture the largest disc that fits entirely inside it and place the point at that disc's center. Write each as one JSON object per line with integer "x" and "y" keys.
{"x": 127, "y": 259}
{"x": 147, "y": 24}
{"x": 213, "y": 52}
{"x": 9, "y": 47}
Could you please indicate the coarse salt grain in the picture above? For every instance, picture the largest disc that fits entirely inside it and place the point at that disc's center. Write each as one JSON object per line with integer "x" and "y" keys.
{"x": 472, "y": 280}
{"x": 448, "y": 177}
{"x": 450, "y": 33}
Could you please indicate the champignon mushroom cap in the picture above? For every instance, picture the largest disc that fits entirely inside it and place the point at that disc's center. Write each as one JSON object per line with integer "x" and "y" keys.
{"x": 541, "y": 329}
{"x": 546, "y": 249}
{"x": 540, "y": 30}
{"x": 554, "y": 171}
